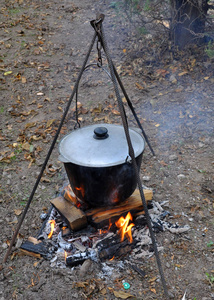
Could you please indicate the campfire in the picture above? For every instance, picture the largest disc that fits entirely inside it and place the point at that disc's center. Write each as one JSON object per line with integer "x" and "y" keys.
{"x": 72, "y": 233}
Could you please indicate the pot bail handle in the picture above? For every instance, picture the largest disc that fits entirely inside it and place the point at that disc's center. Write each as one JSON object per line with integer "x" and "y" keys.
{"x": 100, "y": 133}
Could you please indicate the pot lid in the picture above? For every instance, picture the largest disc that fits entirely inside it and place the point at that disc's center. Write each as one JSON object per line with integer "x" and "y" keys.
{"x": 99, "y": 145}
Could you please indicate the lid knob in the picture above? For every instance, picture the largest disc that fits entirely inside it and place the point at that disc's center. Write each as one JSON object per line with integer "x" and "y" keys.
{"x": 100, "y": 133}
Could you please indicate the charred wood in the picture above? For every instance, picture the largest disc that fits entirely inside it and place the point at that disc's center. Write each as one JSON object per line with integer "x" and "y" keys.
{"x": 37, "y": 249}
{"x": 113, "y": 247}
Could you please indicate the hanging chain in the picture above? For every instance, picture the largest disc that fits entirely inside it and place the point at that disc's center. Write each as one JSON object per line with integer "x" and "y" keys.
{"x": 96, "y": 24}
{"x": 99, "y": 48}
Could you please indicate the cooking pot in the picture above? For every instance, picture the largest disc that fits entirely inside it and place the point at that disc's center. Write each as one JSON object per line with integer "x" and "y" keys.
{"x": 97, "y": 163}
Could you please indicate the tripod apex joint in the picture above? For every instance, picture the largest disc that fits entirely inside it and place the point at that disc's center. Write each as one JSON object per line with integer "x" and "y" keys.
{"x": 99, "y": 19}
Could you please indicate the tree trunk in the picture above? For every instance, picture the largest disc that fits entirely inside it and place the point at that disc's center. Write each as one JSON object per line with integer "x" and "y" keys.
{"x": 188, "y": 22}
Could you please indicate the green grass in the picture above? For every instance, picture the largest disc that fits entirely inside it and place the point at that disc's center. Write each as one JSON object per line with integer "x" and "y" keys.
{"x": 210, "y": 49}
{"x": 14, "y": 11}
{"x": 210, "y": 278}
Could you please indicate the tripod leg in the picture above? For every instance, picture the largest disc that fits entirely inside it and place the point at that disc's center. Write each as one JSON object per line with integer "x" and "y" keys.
{"x": 49, "y": 153}
{"x": 132, "y": 109}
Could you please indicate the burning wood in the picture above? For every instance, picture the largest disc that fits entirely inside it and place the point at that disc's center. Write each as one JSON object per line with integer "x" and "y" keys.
{"x": 74, "y": 217}
{"x": 69, "y": 195}
{"x": 99, "y": 217}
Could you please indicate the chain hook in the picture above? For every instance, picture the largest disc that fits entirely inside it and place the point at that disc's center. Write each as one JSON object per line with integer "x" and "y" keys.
{"x": 96, "y": 24}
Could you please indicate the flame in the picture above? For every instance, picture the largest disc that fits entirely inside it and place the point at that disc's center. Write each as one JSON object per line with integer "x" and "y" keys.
{"x": 81, "y": 190}
{"x": 110, "y": 224}
{"x": 52, "y": 222}
{"x": 101, "y": 231}
{"x": 125, "y": 227}
{"x": 65, "y": 255}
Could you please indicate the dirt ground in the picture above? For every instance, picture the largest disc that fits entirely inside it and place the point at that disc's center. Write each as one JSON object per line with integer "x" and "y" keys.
{"x": 42, "y": 47}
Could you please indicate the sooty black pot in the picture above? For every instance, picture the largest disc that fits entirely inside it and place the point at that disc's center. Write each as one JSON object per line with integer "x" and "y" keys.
{"x": 97, "y": 163}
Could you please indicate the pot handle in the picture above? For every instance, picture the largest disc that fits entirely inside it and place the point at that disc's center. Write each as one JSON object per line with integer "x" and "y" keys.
{"x": 128, "y": 159}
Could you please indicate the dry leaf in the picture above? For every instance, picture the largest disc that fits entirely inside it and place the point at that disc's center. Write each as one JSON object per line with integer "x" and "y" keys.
{"x": 183, "y": 73}
{"x": 43, "y": 179}
{"x": 140, "y": 87}
{"x": 162, "y": 162}
{"x": 103, "y": 292}
{"x": 122, "y": 294}
{"x": 178, "y": 90}
{"x": 24, "y": 80}
{"x": 178, "y": 266}
{"x": 30, "y": 125}
{"x": 97, "y": 110}
{"x": 153, "y": 290}
{"x": 115, "y": 112}
{"x": 152, "y": 279}
{"x": 162, "y": 72}
{"x": 35, "y": 264}
{"x": 5, "y": 159}
{"x": 36, "y": 138}
{"x": 8, "y": 73}
{"x": 27, "y": 113}
{"x": 17, "y": 212}
{"x": 26, "y": 146}
{"x": 50, "y": 122}
{"x": 81, "y": 284}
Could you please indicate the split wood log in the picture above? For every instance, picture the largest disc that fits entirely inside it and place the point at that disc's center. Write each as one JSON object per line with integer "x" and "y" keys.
{"x": 101, "y": 216}
{"x": 74, "y": 217}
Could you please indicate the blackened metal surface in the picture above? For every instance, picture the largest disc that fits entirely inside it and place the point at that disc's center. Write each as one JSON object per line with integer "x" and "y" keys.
{"x": 103, "y": 186}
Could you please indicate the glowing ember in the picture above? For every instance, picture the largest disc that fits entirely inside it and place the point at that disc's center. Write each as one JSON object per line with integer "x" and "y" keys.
{"x": 52, "y": 222}
{"x": 125, "y": 227}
